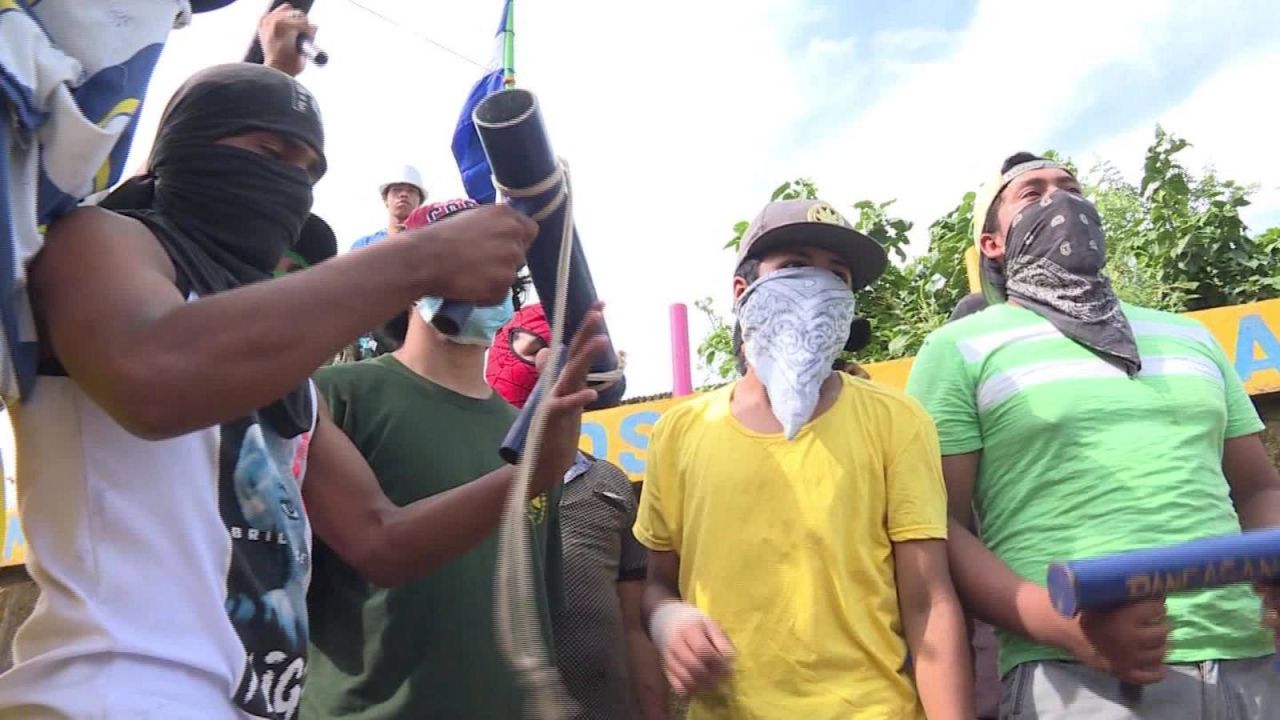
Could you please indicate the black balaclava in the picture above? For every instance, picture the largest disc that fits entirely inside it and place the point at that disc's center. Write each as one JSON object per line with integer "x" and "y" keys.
{"x": 226, "y": 215}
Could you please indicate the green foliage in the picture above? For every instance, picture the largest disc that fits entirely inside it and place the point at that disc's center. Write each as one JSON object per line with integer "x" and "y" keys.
{"x": 1192, "y": 242}
{"x": 904, "y": 298}
{"x": 798, "y": 189}
{"x": 1174, "y": 242}
{"x": 715, "y": 352}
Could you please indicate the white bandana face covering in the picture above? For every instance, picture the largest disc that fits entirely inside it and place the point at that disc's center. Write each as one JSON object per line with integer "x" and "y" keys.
{"x": 794, "y": 323}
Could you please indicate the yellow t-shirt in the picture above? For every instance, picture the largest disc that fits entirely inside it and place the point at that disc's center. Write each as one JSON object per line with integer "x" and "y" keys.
{"x": 788, "y": 546}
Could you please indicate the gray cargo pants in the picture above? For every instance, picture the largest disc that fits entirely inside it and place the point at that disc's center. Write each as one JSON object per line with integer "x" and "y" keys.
{"x": 1213, "y": 690}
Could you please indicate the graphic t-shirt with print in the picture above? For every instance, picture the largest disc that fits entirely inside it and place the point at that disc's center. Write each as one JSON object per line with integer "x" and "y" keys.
{"x": 173, "y": 573}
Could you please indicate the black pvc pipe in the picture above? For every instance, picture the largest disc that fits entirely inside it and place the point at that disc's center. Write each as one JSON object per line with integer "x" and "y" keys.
{"x": 515, "y": 141}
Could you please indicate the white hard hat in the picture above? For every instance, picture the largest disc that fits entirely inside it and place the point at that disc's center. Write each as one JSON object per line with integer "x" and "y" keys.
{"x": 407, "y": 175}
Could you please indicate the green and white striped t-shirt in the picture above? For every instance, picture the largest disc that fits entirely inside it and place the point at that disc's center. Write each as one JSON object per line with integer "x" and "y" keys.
{"x": 1079, "y": 459}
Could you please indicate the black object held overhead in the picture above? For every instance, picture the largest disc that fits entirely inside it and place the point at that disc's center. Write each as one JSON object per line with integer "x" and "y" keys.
{"x": 509, "y": 123}
{"x": 308, "y": 50}
{"x": 305, "y": 43}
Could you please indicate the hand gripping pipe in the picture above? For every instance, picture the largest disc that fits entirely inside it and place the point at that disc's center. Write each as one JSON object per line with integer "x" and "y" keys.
{"x": 1112, "y": 580}
{"x": 527, "y": 172}
{"x": 516, "y": 627}
{"x": 305, "y": 43}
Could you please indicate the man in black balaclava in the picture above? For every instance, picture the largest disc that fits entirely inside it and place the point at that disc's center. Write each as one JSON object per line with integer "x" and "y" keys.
{"x": 169, "y": 435}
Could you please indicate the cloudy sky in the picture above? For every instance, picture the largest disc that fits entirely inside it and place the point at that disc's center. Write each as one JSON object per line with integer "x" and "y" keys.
{"x": 678, "y": 118}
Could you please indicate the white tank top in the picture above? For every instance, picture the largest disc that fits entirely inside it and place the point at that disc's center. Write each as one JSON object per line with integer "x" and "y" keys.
{"x": 173, "y": 574}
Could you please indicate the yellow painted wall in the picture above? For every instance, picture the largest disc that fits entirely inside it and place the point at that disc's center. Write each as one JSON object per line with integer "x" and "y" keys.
{"x": 1250, "y": 335}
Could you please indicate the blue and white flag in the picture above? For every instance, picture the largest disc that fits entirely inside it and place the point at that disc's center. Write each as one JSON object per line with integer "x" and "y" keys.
{"x": 73, "y": 75}
{"x": 477, "y": 177}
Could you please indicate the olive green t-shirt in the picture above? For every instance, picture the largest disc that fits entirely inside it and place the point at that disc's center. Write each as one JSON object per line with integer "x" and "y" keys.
{"x": 425, "y": 649}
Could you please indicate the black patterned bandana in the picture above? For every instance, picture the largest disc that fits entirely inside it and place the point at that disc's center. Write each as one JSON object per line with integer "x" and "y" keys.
{"x": 1055, "y": 251}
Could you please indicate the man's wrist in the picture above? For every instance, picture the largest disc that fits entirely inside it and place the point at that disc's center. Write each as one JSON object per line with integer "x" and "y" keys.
{"x": 668, "y": 617}
{"x": 277, "y": 63}
{"x": 1045, "y": 625}
{"x": 419, "y": 261}
{"x": 1064, "y": 634}
{"x": 547, "y": 473}
{"x": 541, "y": 481}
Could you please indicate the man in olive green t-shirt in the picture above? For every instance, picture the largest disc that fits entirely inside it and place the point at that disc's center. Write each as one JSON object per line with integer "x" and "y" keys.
{"x": 429, "y": 426}
{"x": 1076, "y": 425}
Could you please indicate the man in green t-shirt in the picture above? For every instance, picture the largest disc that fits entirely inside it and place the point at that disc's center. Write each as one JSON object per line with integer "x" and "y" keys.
{"x": 430, "y": 427}
{"x": 1076, "y": 425}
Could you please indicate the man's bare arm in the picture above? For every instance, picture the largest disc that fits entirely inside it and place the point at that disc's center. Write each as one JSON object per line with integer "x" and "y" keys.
{"x": 1255, "y": 484}
{"x": 988, "y": 588}
{"x": 696, "y": 654}
{"x": 662, "y": 584}
{"x": 385, "y": 543}
{"x": 1255, "y": 491}
{"x": 1129, "y": 641}
{"x": 105, "y": 302}
{"x": 934, "y": 627}
{"x": 389, "y": 544}
{"x": 645, "y": 669}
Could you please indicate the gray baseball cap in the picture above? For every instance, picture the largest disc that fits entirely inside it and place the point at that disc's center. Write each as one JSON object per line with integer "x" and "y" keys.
{"x": 814, "y": 223}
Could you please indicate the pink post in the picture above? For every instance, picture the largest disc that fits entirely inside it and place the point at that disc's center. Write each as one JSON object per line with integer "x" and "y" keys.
{"x": 681, "y": 378}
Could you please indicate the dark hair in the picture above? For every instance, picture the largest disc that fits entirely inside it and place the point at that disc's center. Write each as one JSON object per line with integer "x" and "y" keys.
{"x": 748, "y": 270}
{"x": 316, "y": 243}
{"x": 394, "y": 330}
{"x": 968, "y": 305}
{"x": 990, "y": 223}
{"x": 520, "y": 289}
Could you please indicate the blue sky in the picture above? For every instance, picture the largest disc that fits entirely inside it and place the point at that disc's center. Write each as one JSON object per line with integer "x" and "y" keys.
{"x": 678, "y": 118}
{"x": 880, "y": 42}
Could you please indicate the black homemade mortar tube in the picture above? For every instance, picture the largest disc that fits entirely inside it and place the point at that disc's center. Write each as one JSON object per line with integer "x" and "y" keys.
{"x": 515, "y": 141}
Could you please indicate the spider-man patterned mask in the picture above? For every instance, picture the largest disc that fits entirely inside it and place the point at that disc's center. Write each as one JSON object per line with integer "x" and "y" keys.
{"x": 511, "y": 375}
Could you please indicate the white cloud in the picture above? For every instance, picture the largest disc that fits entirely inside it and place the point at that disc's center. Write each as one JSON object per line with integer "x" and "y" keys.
{"x": 910, "y": 41}
{"x": 1230, "y": 125}
{"x": 678, "y": 118}
{"x": 948, "y": 123}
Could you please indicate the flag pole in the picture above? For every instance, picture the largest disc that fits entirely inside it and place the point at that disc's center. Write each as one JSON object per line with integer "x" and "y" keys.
{"x": 509, "y": 47}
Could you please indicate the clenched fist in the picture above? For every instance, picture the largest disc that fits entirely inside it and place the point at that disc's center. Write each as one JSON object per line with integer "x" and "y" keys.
{"x": 278, "y": 32}
{"x": 696, "y": 654}
{"x": 475, "y": 255}
{"x": 1129, "y": 641}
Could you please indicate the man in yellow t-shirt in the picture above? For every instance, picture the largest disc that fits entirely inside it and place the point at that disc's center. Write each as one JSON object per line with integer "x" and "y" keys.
{"x": 796, "y": 519}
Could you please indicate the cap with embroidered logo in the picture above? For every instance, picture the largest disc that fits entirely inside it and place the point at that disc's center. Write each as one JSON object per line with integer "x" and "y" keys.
{"x": 813, "y": 223}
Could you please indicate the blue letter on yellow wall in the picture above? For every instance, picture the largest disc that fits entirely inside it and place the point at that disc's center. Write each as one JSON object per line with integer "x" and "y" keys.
{"x": 599, "y": 439}
{"x": 630, "y": 430}
{"x": 14, "y": 542}
{"x": 1254, "y": 332}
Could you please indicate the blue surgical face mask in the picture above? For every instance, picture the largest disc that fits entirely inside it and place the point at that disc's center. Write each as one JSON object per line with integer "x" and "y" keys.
{"x": 481, "y": 326}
